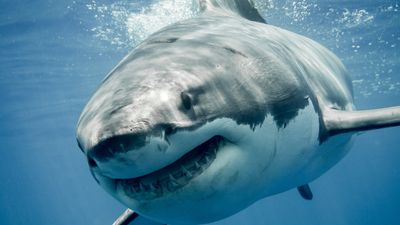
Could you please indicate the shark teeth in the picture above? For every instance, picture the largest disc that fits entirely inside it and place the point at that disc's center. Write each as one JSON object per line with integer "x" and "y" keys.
{"x": 122, "y": 147}
{"x": 175, "y": 175}
{"x": 185, "y": 171}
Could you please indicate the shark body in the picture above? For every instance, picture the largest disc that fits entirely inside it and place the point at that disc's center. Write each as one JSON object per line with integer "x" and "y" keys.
{"x": 211, "y": 114}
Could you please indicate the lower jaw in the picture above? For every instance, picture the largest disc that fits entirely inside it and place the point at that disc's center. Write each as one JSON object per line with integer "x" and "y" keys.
{"x": 174, "y": 176}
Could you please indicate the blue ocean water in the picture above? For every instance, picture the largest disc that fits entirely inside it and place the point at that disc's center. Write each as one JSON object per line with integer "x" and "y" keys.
{"x": 53, "y": 54}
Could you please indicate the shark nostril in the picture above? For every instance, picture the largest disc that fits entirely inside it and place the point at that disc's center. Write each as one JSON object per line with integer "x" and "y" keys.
{"x": 91, "y": 162}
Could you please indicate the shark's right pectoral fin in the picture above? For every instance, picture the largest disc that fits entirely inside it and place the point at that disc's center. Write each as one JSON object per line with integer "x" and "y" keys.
{"x": 126, "y": 218}
{"x": 129, "y": 217}
{"x": 339, "y": 121}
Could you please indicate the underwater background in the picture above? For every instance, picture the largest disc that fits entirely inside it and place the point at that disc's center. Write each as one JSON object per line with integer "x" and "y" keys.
{"x": 54, "y": 53}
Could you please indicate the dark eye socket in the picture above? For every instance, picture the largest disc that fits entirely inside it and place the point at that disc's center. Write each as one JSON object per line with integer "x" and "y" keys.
{"x": 186, "y": 101}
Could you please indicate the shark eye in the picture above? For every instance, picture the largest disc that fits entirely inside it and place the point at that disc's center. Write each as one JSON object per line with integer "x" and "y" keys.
{"x": 186, "y": 101}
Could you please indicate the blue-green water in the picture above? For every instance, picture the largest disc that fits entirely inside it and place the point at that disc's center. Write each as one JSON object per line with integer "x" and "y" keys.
{"x": 53, "y": 54}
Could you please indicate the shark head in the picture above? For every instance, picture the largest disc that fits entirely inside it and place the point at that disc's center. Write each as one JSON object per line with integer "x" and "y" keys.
{"x": 168, "y": 132}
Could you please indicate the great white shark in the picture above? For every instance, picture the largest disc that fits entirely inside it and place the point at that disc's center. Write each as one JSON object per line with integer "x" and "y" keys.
{"x": 210, "y": 114}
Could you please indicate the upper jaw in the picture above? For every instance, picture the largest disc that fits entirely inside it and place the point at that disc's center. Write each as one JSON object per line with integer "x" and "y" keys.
{"x": 121, "y": 158}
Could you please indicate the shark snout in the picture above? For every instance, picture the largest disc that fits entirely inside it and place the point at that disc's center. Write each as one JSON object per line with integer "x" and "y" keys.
{"x": 129, "y": 155}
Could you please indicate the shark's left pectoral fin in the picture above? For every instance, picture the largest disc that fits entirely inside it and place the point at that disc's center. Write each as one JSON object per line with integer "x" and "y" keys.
{"x": 339, "y": 121}
{"x": 305, "y": 192}
{"x": 126, "y": 218}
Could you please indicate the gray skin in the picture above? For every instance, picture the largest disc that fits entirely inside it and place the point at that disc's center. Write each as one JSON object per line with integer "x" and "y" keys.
{"x": 169, "y": 95}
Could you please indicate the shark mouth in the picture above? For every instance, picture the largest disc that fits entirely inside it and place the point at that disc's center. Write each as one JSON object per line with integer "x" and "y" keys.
{"x": 174, "y": 176}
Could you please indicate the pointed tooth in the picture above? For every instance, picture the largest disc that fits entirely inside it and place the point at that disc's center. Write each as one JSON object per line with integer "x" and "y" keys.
{"x": 153, "y": 187}
{"x": 186, "y": 171}
{"x": 136, "y": 187}
{"x": 122, "y": 147}
{"x": 133, "y": 190}
{"x": 141, "y": 187}
{"x": 172, "y": 180}
{"x": 171, "y": 177}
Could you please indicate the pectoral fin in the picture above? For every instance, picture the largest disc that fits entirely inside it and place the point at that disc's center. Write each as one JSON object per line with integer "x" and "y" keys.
{"x": 338, "y": 121}
{"x": 129, "y": 217}
{"x": 126, "y": 218}
{"x": 305, "y": 191}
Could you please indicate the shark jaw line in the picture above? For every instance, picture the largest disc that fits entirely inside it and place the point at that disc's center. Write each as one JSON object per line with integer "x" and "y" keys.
{"x": 173, "y": 176}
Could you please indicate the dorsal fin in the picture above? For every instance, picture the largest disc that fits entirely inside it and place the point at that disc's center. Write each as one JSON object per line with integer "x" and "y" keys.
{"x": 244, "y": 8}
{"x": 338, "y": 121}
